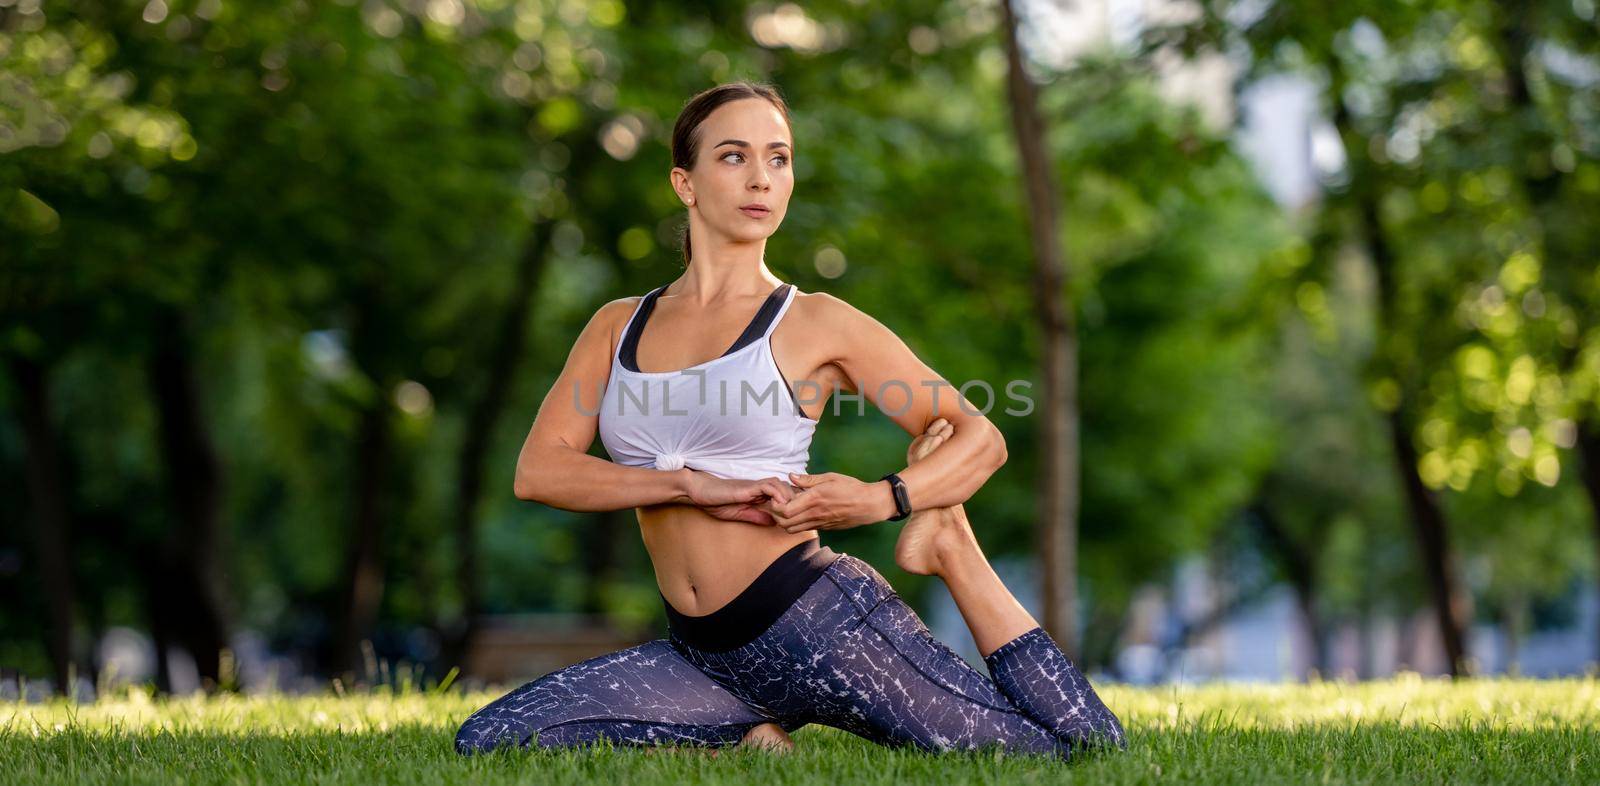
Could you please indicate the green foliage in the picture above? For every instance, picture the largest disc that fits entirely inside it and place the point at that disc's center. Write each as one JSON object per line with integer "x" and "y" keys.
{"x": 336, "y": 199}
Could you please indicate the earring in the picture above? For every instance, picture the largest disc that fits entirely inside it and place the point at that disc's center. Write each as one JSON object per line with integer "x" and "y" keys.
{"x": 690, "y": 202}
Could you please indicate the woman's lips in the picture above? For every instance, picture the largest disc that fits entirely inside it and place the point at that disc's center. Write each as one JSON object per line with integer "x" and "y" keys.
{"x": 755, "y": 212}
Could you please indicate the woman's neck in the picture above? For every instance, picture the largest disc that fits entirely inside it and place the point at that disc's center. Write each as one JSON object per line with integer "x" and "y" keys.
{"x": 715, "y": 278}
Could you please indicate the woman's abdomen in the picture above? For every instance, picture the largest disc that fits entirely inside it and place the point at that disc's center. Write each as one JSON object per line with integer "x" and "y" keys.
{"x": 702, "y": 562}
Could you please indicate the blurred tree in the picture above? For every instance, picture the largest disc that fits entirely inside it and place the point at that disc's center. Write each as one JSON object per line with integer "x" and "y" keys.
{"x": 1309, "y": 38}
{"x": 1541, "y": 115}
{"x": 85, "y": 175}
{"x": 1056, "y": 310}
{"x": 1481, "y": 364}
{"x": 349, "y": 237}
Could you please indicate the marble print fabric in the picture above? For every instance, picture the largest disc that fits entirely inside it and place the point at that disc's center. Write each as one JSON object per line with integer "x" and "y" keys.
{"x": 849, "y": 654}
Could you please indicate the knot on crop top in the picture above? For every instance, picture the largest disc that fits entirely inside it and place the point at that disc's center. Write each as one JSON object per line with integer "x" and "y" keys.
{"x": 734, "y": 416}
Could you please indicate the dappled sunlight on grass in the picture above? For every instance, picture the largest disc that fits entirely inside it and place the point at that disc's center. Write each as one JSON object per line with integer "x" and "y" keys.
{"x": 1407, "y": 699}
{"x": 1407, "y": 728}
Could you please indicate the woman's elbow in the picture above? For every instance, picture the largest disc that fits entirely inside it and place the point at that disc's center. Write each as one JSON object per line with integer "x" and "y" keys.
{"x": 522, "y": 486}
{"x": 523, "y": 483}
{"x": 997, "y": 447}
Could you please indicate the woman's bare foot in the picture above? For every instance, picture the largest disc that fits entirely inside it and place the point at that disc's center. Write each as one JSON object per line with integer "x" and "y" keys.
{"x": 927, "y": 534}
{"x": 770, "y": 737}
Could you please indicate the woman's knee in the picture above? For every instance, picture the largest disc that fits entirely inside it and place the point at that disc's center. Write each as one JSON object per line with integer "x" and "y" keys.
{"x": 510, "y": 720}
{"x": 482, "y": 732}
{"x": 475, "y": 736}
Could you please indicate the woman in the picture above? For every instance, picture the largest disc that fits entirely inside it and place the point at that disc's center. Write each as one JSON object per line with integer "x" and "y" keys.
{"x": 768, "y": 629}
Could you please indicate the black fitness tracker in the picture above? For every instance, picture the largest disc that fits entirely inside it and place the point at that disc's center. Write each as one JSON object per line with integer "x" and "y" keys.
{"x": 902, "y": 500}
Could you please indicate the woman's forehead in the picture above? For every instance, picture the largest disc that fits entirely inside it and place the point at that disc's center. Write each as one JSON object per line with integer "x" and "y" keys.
{"x": 755, "y": 121}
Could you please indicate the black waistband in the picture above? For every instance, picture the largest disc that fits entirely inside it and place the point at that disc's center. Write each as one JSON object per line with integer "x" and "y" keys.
{"x": 748, "y": 615}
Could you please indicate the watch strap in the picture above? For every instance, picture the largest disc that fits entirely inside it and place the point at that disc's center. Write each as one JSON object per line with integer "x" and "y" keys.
{"x": 902, "y": 499}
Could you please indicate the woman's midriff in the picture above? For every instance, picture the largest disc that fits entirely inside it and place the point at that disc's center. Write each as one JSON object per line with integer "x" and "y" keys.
{"x": 702, "y": 562}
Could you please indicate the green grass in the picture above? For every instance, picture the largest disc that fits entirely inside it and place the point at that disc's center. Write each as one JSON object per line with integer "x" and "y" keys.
{"x": 1406, "y": 729}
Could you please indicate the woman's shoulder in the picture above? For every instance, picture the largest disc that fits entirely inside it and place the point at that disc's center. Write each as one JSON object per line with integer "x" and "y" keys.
{"x": 609, "y": 320}
{"x": 828, "y": 310}
{"x": 622, "y": 305}
{"x": 611, "y": 314}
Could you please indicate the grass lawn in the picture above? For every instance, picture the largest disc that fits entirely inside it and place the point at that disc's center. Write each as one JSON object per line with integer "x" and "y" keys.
{"x": 1407, "y": 729}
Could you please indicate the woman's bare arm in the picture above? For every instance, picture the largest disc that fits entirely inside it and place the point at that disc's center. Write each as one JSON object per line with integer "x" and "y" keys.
{"x": 873, "y": 358}
{"x": 555, "y": 467}
{"x": 880, "y": 367}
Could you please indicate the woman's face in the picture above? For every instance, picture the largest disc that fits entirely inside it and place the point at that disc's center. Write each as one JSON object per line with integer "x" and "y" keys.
{"x": 743, "y": 159}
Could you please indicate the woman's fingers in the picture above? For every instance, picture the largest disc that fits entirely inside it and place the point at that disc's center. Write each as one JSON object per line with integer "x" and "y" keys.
{"x": 803, "y": 516}
{"x": 775, "y": 489}
{"x": 801, "y": 526}
{"x": 796, "y": 506}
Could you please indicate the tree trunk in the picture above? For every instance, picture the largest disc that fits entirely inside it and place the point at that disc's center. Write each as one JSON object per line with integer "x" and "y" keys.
{"x": 1589, "y": 450}
{"x": 1427, "y": 518}
{"x": 1059, "y": 477}
{"x": 1428, "y": 522}
{"x": 364, "y": 562}
{"x": 502, "y": 364}
{"x": 49, "y": 516}
{"x": 194, "y": 599}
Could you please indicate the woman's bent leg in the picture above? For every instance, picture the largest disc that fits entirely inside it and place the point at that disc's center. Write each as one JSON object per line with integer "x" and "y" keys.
{"x": 643, "y": 695}
{"x": 1027, "y": 665}
{"x": 888, "y": 679}
{"x": 1024, "y": 660}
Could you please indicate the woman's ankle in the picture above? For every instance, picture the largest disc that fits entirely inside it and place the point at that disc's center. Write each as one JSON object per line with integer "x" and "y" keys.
{"x": 954, "y": 545}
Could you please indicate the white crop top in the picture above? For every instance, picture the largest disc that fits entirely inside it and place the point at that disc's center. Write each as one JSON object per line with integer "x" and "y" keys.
{"x": 733, "y": 416}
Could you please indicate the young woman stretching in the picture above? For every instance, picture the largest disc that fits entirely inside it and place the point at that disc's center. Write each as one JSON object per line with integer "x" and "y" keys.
{"x": 768, "y": 630}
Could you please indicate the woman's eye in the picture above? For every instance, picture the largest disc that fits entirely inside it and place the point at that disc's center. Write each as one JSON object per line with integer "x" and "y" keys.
{"x": 782, "y": 160}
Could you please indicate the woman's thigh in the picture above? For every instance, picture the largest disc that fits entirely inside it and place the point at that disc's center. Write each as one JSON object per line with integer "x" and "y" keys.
{"x": 644, "y": 695}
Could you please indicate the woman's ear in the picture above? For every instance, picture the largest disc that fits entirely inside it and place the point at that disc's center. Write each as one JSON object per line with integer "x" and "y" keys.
{"x": 681, "y": 185}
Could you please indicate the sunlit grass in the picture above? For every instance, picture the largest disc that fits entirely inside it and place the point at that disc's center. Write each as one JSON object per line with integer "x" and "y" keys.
{"x": 1406, "y": 729}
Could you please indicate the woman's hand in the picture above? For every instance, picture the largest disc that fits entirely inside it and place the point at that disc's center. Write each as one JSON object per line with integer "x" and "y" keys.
{"x": 737, "y": 500}
{"x": 833, "y": 501}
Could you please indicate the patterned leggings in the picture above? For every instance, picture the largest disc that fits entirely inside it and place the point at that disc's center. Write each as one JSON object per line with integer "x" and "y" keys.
{"x": 849, "y": 654}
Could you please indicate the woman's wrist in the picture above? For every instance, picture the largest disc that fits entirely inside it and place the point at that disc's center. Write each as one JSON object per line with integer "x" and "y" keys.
{"x": 885, "y": 507}
{"x": 683, "y": 480}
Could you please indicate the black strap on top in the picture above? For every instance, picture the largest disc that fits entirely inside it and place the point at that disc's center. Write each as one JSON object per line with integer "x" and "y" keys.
{"x": 756, "y": 328}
